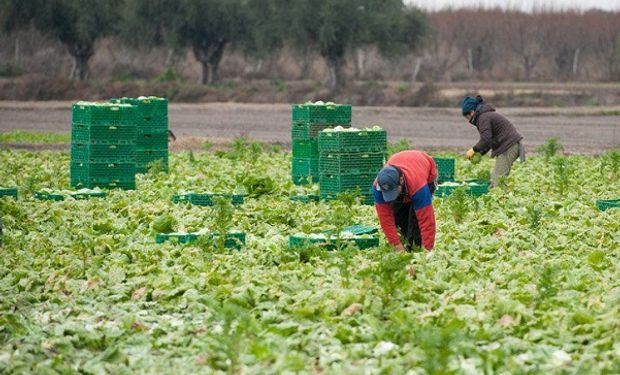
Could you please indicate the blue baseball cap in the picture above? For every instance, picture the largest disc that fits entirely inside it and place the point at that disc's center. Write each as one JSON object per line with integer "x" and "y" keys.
{"x": 388, "y": 180}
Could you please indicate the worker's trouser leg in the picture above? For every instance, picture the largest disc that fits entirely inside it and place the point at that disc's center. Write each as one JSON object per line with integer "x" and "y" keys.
{"x": 407, "y": 223}
{"x": 503, "y": 163}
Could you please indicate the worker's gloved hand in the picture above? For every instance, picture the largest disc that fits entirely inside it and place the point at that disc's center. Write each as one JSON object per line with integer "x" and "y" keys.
{"x": 470, "y": 153}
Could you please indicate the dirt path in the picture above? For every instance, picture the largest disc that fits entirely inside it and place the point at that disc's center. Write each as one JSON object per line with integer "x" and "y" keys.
{"x": 581, "y": 130}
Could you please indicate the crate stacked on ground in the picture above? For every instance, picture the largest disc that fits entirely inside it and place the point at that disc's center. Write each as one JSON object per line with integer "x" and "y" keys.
{"x": 60, "y": 195}
{"x": 606, "y": 204}
{"x": 8, "y": 192}
{"x": 103, "y": 145}
{"x": 445, "y": 169}
{"x": 307, "y": 121}
{"x": 362, "y": 236}
{"x": 206, "y": 199}
{"x": 151, "y": 132}
{"x": 350, "y": 160}
{"x": 475, "y": 188}
{"x": 234, "y": 239}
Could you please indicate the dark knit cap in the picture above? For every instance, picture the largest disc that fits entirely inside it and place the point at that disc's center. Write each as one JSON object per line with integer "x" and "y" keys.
{"x": 470, "y": 104}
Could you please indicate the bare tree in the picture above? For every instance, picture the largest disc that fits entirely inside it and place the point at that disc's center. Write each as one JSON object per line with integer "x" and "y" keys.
{"x": 443, "y": 51}
{"x": 605, "y": 40}
{"x": 526, "y": 35}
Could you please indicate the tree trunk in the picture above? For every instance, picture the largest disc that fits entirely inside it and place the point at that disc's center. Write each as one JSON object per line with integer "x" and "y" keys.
{"x": 82, "y": 71}
{"x": 470, "y": 61}
{"x": 526, "y": 67}
{"x": 306, "y": 62}
{"x": 16, "y": 51}
{"x": 576, "y": 60}
{"x": 360, "y": 63}
{"x": 209, "y": 73}
{"x": 81, "y": 54}
{"x": 416, "y": 69}
{"x": 169, "y": 57}
{"x": 259, "y": 65}
{"x": 210, "y": 56}
{"x": 336, "y": 73}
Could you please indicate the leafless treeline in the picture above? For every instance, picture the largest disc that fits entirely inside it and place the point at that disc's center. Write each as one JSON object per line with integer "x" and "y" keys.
{"x": 508, "y": 45}
{"x": 466, "y": 44}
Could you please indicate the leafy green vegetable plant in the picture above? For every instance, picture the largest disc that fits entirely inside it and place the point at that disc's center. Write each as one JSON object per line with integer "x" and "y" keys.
{"x": 550, "y": 148}
{"x": 521, "y": 280}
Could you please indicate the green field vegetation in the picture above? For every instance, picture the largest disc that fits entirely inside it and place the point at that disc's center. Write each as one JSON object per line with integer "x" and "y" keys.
{"x": 33, "y": 138}
{"x": 523, "y": 280}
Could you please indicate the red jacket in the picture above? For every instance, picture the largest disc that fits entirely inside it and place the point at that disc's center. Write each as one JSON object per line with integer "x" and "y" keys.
{"x": 419, "y": 170}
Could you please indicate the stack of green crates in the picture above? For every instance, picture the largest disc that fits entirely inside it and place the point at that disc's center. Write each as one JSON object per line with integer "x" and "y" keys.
{"x": 103, "y": 145}
{"x": 151, "y": 132}
{"x": 308, "y": 120}
{"x": 350, "y": 160}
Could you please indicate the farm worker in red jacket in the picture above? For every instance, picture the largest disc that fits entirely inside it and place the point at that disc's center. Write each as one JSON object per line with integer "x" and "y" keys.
{"x": 403, "y": 193}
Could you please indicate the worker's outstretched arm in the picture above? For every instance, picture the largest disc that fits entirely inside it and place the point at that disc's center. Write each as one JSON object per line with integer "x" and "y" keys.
{"x": 423, "y": 205}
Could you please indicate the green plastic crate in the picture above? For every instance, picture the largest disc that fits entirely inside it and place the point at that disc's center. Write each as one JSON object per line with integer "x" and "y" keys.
{"x": 445, "y": 169}
{"x": 109, "y": 134}
{"x": 364, "y": 140}
{"x": 147, "y": 156}
{"x": 446, "y": 190}
{"x": 359, "y": 229}
{"x": 606, "y": 204}
{"x": 305, "y": 148}
{"x": 41, "y": 195}
{"x": 234, "y": 239}
{"x": 148, "y": 107}
{"x": 331, "y": 242}
{"x": 8, "y": 192}
{"x": 477, "y": 188}
{"x": 82, "y": 195}
{"x": 305, "y": 198}
{"x": 126, "y": 183}
{"x": 474, "y": 188}
{"x": 181, "y": 238}
{"x": 103, "y": 153}
{"x": 153, "y": 141}
{"x": 356, "y": 230}
{"x": 206, "y": 199}
{"x": 60, "y": 196}
{"x": 146, "y": 167}
{"x": 302, "y": 179}
{"x": 106, "y": 114}
{"x": 144, "y": 158}
{"x": 304, "y": 170}
{"x": 309, "y": 131}
{"x": 113, "y": 170}
{"x": 325, "y": 114}
{"x": 152, "y": 125}
{"x": 351, "y": 163}
{"x": 305, "y": 166}
{"x": 333, "y": 183}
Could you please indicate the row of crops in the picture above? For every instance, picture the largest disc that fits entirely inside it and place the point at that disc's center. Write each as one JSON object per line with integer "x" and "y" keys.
{"x": 522, "y": 280}
{"x": 168, "y": 278}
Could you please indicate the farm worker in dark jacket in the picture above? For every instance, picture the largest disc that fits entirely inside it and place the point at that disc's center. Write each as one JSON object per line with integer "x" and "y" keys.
{"x": 403, "y": 193}
{"x": 496, "y": 134}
